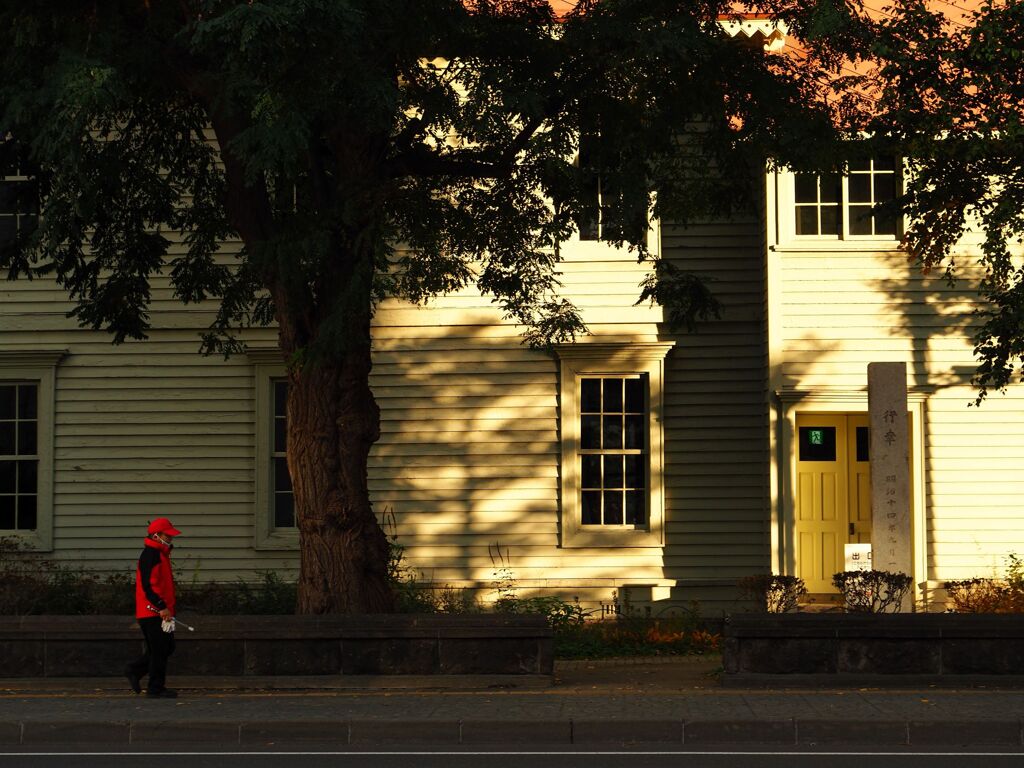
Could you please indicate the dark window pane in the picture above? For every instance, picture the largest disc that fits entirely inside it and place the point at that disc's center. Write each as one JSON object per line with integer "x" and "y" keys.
{"x": 280, "y": 397}
{"x": 817, "y": 443}
{"x": 885, "y": 187}
{"x": 862, "y": 164}
{"x": 8, "y": 229}
{"x": 8, "y": 473}
{"x": 27, "y": 516}
{"x": 863, "y": 435}
{"x": 635, "y": 432}
{"x": 591, "y": 507}
{"x": 8, "y": 397}
{"x": 280, "y": 435}
{"x": 591, "y": 474}
{"x": 613, "y": 507}
{"x": 806, "y": 188}
{"x": 26, "y": 438}
{"x": 7, "y": 513}
{"x": 613, "y": 471}
{"x": 860, "y": 188}
{"x": 887, "y": 163}
{"x": 830, "y": 219}
{"x": 830, "y": 187}
{"x": 634, "y": 396}
{"x": 8, "y": 158}
{"x": 860, "y": 220}
{"x": 635, "y": 507}
{"x": 885, "y": 224}
{"x": 590, "y": 395}
{"x": 6, "y": 438}
{"x": 807, "y": 220}
{"x": 28, "y": 476}
{"x": 635, "y": 471}
{"x": 590, "y": 432}
{"x": 284, "y": 510}
{"x": 282, "y": 480}
{"x": 27, "y": 397}
{"x": 8, "y": 197}
{"x": 587, "y": 223}
{"x": 612, "y": 432}
{"x": 612, "y": 395}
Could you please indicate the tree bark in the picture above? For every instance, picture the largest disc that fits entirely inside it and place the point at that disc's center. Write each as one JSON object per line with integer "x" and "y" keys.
{"x": 333, "y": 421}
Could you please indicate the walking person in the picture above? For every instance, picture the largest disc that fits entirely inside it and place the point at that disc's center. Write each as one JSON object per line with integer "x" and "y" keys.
{"x": 154, "y": 609}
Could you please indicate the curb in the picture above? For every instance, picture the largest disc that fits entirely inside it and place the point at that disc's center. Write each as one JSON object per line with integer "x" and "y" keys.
{"x": 1005, "y": 733}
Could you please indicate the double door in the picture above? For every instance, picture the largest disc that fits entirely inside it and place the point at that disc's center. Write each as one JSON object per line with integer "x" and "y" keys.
{"x": 832, "y": 494}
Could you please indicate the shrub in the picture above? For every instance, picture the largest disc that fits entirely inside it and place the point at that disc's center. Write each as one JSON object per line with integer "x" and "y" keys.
{"x": 772, "y": 593}
{"x": 990, "y": 595}
{"x": 872, "y": 591}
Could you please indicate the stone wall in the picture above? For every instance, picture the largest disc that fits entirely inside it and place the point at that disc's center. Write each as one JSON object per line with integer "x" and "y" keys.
{"x": 97, "y": 646}
{"x": 824, "y": 649}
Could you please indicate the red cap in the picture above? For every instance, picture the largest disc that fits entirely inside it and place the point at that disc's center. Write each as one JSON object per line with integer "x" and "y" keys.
{"x": 163, "y": 525}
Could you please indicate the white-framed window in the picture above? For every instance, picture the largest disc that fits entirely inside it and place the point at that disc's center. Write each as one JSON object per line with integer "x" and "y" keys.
{"x": 27, "y": 380}
{"x": 834, "y": 207}
{"x": 611, "y": 413}
{"x": 274, "y": 506}
{"x": 19, "y": 194}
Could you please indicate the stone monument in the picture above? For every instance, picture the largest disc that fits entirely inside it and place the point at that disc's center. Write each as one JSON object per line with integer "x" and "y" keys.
{"x": 891, "y": 535}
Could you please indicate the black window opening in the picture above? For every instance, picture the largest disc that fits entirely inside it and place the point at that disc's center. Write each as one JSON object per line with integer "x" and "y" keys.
{"x": 19, "y": 456}
{"x": 614, "y": 456}
{"x": 19, "y": 194}
{"x": 817, "y": 443}
{"x": 602, "y": 217}
{"x": 863, "y": 443}
{"x": 282, "y": 498}
{"x": 819, "y": 200}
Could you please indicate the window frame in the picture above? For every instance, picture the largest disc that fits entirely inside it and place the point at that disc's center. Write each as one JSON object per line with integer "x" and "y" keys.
{"x": 590, "y": 360}
{"x": 24, "y": 176}
{"x": 38, "y": 367}
{"x": 786, "y": 215}
{"x": 267, "y": 367}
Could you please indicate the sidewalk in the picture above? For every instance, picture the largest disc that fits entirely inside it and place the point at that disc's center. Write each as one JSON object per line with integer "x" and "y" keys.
{"x": 591, "y": 703}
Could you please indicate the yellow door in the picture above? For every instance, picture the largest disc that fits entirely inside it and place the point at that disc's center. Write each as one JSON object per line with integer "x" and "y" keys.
{"x": 859, "y": 471}
{"x": 821, "y": 519}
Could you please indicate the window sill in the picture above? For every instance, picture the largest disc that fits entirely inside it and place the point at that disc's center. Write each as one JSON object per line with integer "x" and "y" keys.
{"x": 279, "y": 541}
{"x": 886, "y": 245}
{"x": 589, "y": 538}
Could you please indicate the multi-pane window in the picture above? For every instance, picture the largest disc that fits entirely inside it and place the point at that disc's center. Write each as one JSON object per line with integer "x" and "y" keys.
{"x": 19, "y": 194}
{"x": 597, "y": 220}
{"x": 843, "y": 206}
{"x": 19, "y": 456}
{"x": 871, "y": 182}
{"x": 817, "y": 204}
{"x": 281, "y": 496}
{"x": 613, "y": 451}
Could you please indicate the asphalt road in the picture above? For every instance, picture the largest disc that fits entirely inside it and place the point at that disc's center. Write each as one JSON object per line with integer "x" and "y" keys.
{"x": 535, "y": 758}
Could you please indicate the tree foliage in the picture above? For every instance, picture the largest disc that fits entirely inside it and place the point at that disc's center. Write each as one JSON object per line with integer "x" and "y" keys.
{"x": 948, "y": 94}
{"x": 449, "y": 128}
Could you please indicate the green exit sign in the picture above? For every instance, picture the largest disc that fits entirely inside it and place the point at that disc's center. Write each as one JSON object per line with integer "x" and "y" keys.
{"x": 816, "y": 436}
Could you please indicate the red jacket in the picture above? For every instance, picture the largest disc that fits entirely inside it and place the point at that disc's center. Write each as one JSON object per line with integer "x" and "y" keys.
{"x": 154, "y": 580}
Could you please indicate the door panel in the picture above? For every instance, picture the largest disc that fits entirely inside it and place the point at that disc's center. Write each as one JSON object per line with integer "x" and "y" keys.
{"x": 859, "y": 470}
{"x": 822, "y": 498}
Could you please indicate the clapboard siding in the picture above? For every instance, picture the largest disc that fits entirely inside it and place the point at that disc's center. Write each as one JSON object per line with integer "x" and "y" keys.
{"x": 844, "y": 310}
{"x": 716, "y": 465}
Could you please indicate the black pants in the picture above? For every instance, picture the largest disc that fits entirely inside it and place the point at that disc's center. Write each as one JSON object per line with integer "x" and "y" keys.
{"x": 159, "y": 645}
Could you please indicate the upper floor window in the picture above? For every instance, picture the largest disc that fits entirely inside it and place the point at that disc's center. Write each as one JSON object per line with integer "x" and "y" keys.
{"x": 282, "y": 499}
{"x": 841, "y": 207}
{"x": 19, "y": 193}
{"x": 598, "y": 220}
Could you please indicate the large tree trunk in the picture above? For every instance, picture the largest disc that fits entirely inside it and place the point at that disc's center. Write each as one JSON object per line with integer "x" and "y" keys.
{"x": 333, "y": 421}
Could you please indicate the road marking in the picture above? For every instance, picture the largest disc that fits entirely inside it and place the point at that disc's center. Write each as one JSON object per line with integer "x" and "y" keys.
{"x": 356, "y": 753}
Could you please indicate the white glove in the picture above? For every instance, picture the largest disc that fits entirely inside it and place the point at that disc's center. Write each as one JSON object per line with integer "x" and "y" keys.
{"x": 167, "y": 625}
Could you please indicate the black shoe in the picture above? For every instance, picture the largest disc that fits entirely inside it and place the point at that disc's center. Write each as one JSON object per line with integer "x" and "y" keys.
{"x": 166, "y": 693}
{"x": 133, "y": 679}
